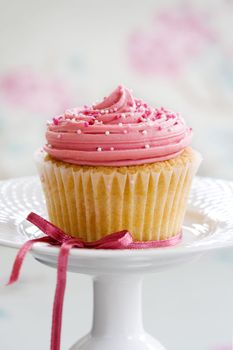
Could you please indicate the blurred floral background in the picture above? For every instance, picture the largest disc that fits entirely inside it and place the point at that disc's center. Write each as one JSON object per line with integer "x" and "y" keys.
{"x": 55, "y": 54}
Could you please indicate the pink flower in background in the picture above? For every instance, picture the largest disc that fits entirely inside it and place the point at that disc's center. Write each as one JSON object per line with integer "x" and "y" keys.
{"x": 35, "y": 92}
{"x": 175, "y": 37}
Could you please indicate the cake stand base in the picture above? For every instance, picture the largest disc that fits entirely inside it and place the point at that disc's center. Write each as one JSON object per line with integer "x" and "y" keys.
{"x": 142, "y": 342}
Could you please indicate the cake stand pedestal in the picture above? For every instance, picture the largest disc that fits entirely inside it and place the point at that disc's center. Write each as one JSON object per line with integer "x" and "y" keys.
{"x": 117, "y": 321}
{"x": 117, "y": 277}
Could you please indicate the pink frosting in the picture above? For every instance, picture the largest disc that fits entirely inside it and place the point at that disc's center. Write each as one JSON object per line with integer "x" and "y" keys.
{"x": 121, "y": 130}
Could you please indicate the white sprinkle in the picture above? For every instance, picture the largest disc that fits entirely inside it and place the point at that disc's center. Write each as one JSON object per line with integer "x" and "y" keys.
{"x": 107, "y": 133}
{"x": 73, "y": 120}
{"x": 150, "y": 122}
{"x": 106, "y": 111}
{"x": 111, "y": 148}
{"x": 79, "y": 131}
{"x": 123, "y": 115}
{"x": 115, "y": 109}
{"x": 132, "y": 182}
{"x": 48, "y": 122}
{"x": 99, "y": 149}
{"x": 147, "y": 146}
{"x": 125, "y": 131}
{"x": 49, "y": 146}
{"x": 102, "y": 111}
{"x": 144, "y": 132}
{"x": 59, "y": 136}
{"x": 120, "y": 124}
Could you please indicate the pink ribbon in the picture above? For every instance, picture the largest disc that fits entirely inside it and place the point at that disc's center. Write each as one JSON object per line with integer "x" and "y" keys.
{"x": 55, "y": 236}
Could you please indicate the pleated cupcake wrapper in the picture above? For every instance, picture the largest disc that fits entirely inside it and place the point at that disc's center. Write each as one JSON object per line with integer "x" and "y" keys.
{"x": 91, "y": 204}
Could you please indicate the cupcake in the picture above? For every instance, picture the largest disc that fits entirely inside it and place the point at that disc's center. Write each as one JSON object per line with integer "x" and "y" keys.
{"x": 118, "y": 165}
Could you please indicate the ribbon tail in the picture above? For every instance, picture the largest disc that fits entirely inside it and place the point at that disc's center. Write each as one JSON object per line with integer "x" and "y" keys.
{"x": 20, "y": 258}
{"x": 59, "y": 294}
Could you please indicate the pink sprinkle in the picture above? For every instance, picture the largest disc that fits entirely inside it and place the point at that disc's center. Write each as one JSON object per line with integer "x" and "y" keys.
{"x": 120, "y": 125}
{"x": 111, "y": 148}
{"x": 125, "y": 131}
{"x": 99, "y": 149}
{"x": 55, "y": 121}
{"x": 79, "y": 131}
{"x": 147, "y": 146}
{"x": 86, "y": 124}
{"x": 59, "y": 136}
{"x": 144, "y": 132}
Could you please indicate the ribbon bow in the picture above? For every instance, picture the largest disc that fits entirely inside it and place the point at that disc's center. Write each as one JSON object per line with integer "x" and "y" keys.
{"x": 56, "y": 237}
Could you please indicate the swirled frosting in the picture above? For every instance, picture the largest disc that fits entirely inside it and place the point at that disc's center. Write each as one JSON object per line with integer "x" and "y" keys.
{"x": 119, "y": 131}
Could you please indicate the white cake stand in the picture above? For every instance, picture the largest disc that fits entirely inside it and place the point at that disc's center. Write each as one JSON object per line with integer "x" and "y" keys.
{"x": 117, "y": 275}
